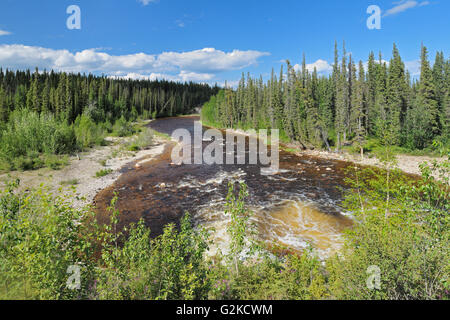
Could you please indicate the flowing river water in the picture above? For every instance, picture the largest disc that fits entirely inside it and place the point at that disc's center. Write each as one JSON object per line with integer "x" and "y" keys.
{"x": 295, "y": 207}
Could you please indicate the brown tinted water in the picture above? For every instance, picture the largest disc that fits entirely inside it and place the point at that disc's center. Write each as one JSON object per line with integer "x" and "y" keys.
{"x": 297, "y": 206}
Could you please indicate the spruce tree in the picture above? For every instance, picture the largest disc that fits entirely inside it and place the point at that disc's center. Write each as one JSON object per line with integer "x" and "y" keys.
{"x": 439, "y": 85}
{"x": 445, "y": 113}
{"x": 372, "y": 74}
{"x": 3, "y": 105}
{"x": 358, "y": 109}
{"x": 396, "y": 95}
{"x": 342, "y": 103}
{"x": 423, "y": 114}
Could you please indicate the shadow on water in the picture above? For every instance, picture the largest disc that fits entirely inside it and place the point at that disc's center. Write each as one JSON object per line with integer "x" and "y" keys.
{"x": 299, "y": 205}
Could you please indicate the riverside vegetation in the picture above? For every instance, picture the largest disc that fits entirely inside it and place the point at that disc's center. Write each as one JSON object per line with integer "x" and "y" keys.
{"x": 402, "y": 227}
{"x": 352, "y": 109}
{"x": 44, "y": 117}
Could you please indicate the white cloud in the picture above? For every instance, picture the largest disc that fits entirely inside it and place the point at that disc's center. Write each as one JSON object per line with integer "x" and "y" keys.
{"x": 321, "y": 66}
{"x": 183, "y": 76}
{"x": 197, "y": 65}
{"x": 229, "y": 84}
{"x": 210, "y": 59}
{"x": 377, "y": 61}
{"x": 146, "y": 2}
{"x": 4, "y": 33}
{"x": 404, "y": 5}
{"x": 413, "y": 67}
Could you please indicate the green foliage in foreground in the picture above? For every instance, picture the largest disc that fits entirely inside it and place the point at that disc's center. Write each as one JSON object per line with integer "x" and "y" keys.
{"x": 401, "y": 230}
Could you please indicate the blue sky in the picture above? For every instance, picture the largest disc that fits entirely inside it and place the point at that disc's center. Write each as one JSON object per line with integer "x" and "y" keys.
{"x": 209, "y": 40}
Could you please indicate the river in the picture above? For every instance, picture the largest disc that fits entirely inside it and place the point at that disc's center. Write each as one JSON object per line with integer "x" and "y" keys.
{"x": 293, "y": 208}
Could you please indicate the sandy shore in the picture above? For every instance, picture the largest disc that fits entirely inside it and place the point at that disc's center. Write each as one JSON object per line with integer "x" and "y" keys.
{"x": 80, "y": 174}
{"x": 406, "y": 163}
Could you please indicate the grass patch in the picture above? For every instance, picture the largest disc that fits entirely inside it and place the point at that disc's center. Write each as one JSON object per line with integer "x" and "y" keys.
{"x": 290, "y": 150}
{"x": 34, "y": 161}
{"x": 71, "y": 182}
{"x": 103, "y": 172}
{"x": 372, "y": 147}
{"x": 56, "y": 162}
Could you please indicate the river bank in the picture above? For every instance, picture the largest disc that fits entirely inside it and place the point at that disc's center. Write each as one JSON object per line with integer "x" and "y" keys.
{"x": 407, "y": 163}
{"x": 79, "y": 177}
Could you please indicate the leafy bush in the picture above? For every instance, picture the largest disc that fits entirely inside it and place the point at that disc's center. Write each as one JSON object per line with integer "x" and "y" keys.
{"x": 40, "y": 237}
{"x": 87, "y": 132}
{"x": 55, "y": 162}
{"x": 402, "y": 230}
{"x": 122, "y": 128}
{"x": 95, "y": 113}
{"x": 168, "y": 267}
{"x": 29, "y": 134}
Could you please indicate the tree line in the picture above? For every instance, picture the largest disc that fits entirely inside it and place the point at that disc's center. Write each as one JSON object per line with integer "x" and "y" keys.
{"x": 69, "y": 95}
{"x": 45, "y": 116}
{"x": 356, "y": 103}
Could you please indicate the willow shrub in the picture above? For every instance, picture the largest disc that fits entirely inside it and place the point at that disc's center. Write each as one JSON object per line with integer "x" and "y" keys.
{"x": 87, "y": 132}
{"x": 41, "y": 236}
{"x": 292, "y": 277}
{"x": 404, "y": 236}
{"x": 28, "y": 134}
{"x": 122, "y": 127}
{"x": 171, "y": 266}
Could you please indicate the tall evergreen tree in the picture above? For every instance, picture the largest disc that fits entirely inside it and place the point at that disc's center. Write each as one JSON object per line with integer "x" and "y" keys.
{"x": 358, "y": 108}
{"x": 423, "y": 114}
{"x": 396, "y": 95}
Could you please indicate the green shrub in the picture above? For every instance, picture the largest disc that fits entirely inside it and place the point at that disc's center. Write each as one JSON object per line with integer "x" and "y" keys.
{"x": 28, "y": 134}
{"x": 55, "y": 162}
{"x": 71, "y": 182}
{"x": 122, "y": 128}
{"x": 87, "y": 132}
{"x": 41, "y": 236}
{"x": 402, "y": 230}
{"x": 23, "y": 163}
{"x": 170, "y": 267}
{"x": 103, "y": 172}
